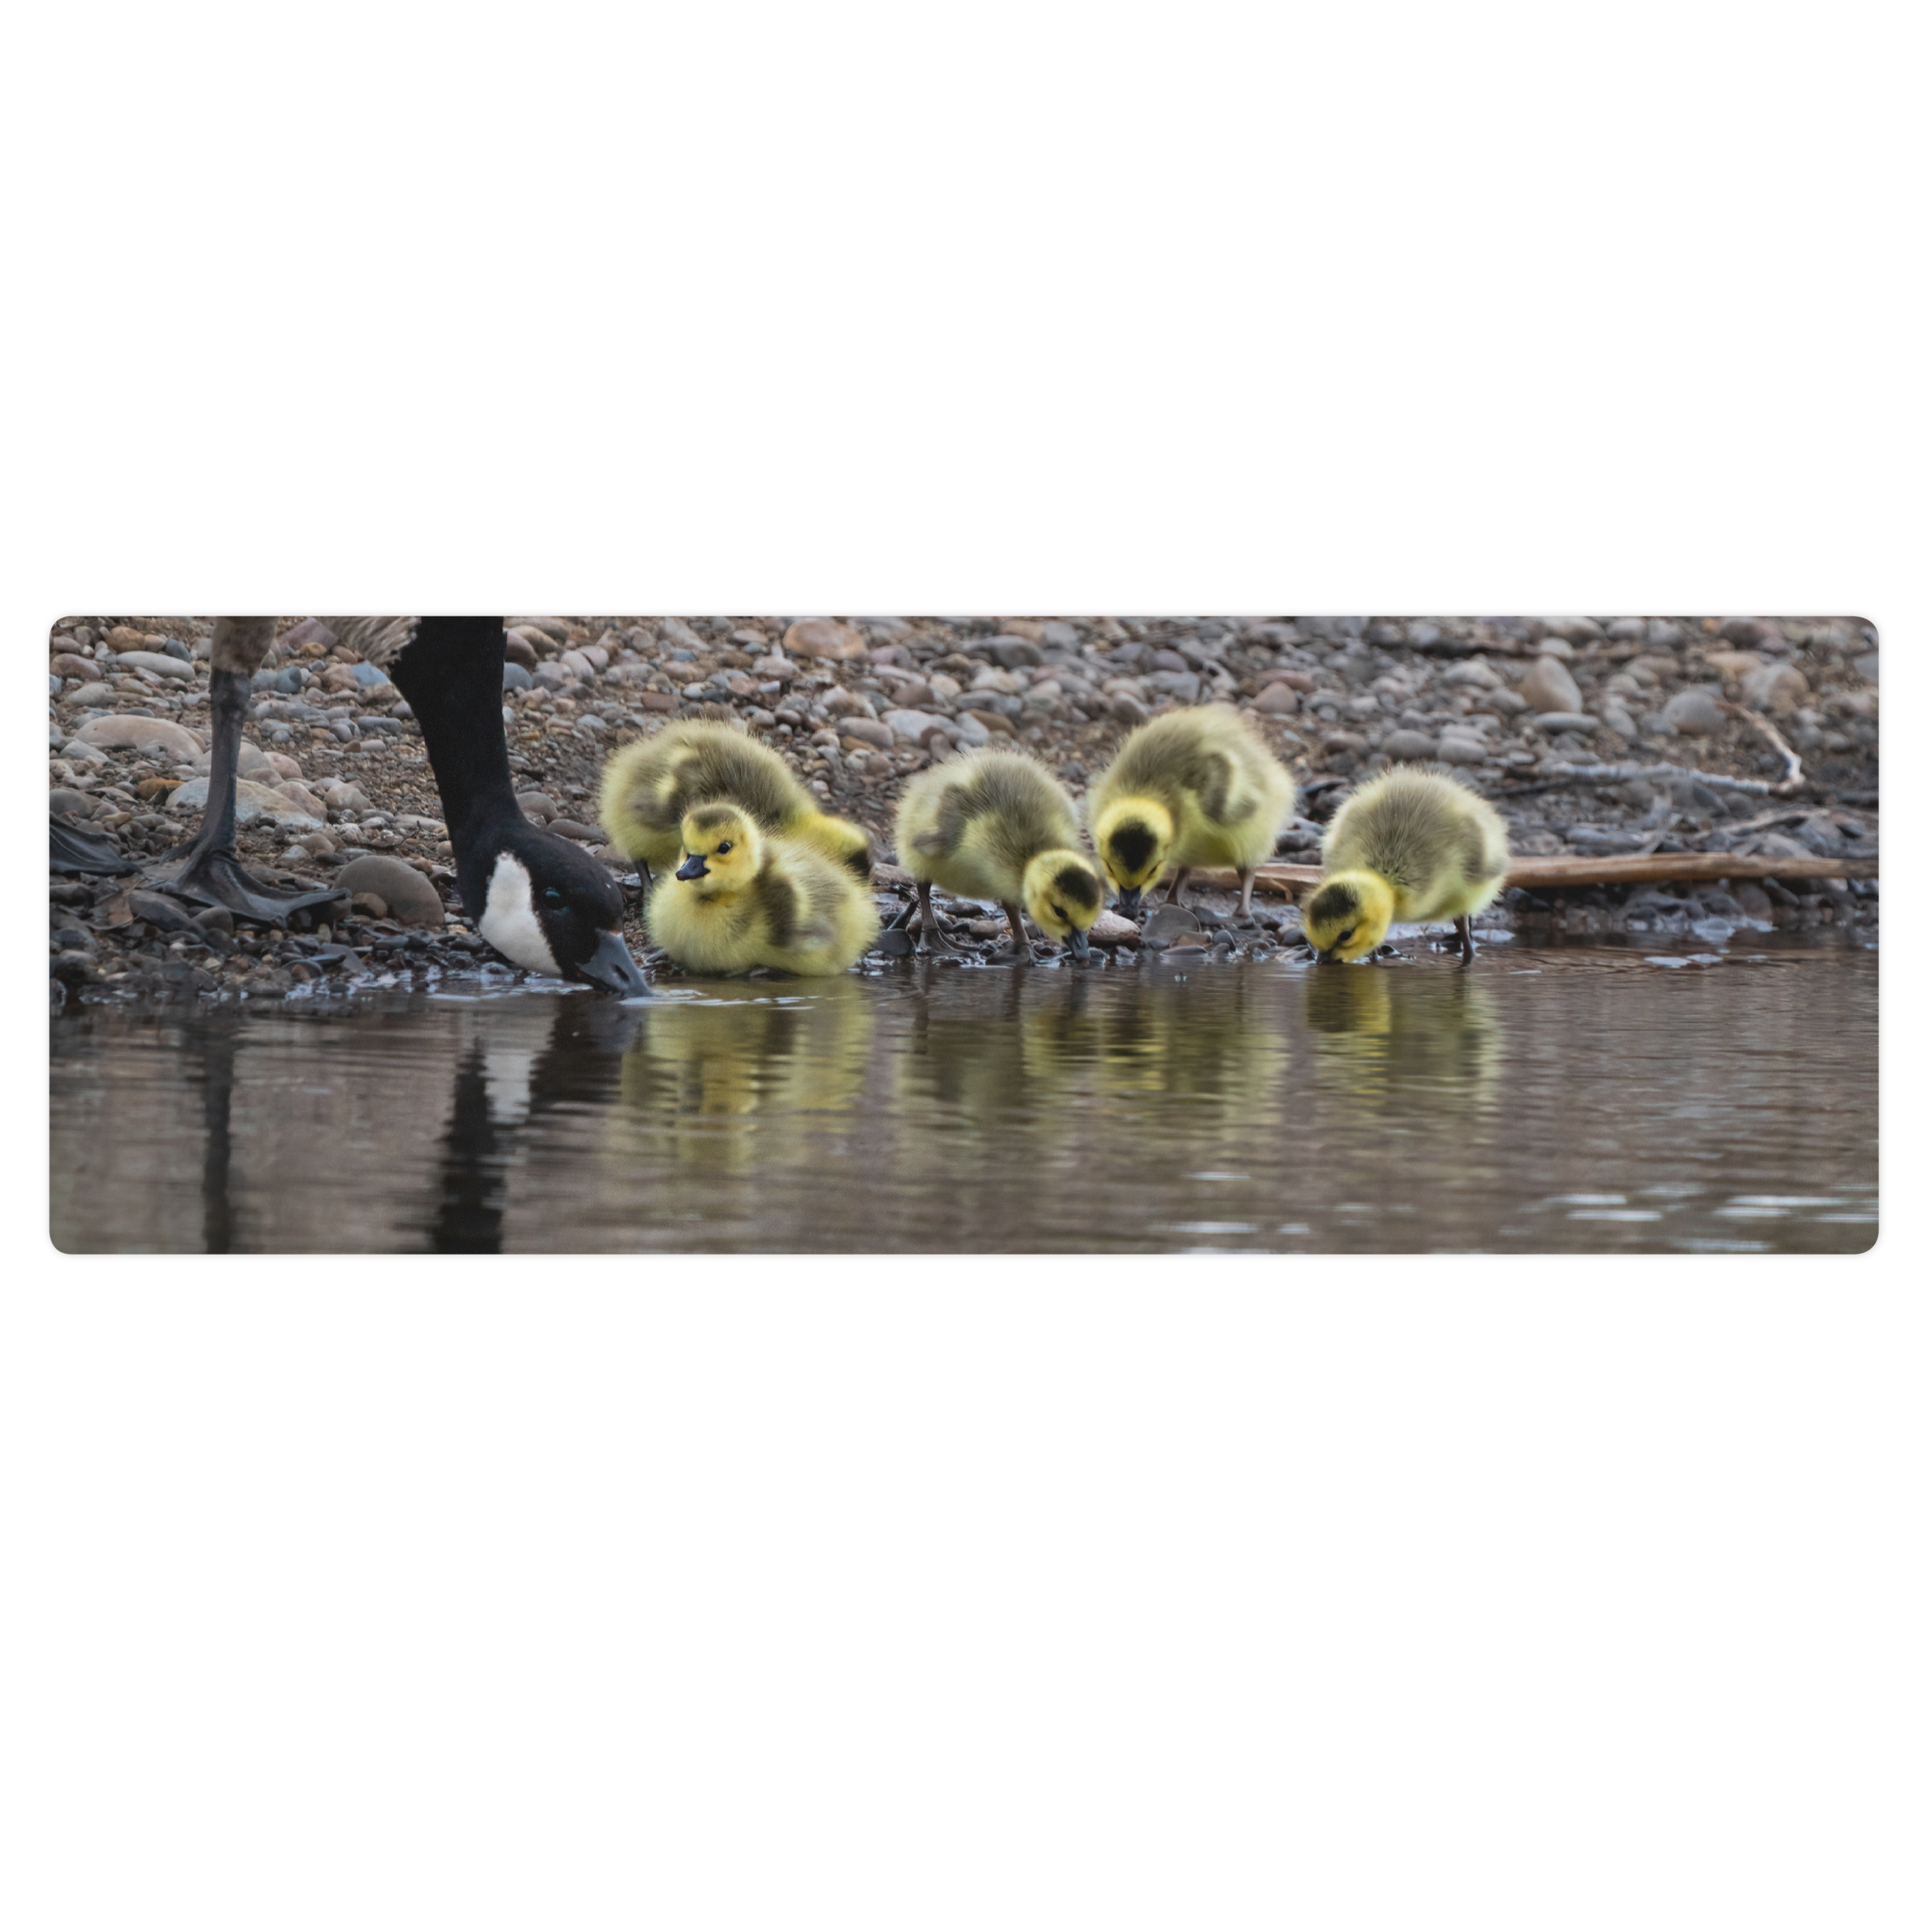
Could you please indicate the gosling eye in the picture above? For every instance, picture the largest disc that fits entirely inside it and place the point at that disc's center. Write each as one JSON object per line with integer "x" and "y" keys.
{"x": 1060, "y": 913}
{"x": 1348, "y": 938}
{"x": 725, "y": 848}
{"x": 551, "y": 897}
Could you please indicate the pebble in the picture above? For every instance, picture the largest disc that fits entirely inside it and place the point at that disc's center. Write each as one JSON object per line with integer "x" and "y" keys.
{"x": 1402, "y": 747}
{"x": 1573, "y": 630}
{"x": 1565, "y": 721}
{"x": 1694, "y": 713}
{"x": 913, "y": 724}
{"x": 1166, "y": 923}
{"x": 1011, "y": 652}
{"x": 125, "y": 733}
{"x": 968, "y": 731}
{"x": 302, "y": 799}
{"x": 160, "y": 663}
{"x": 410, "y": 899}
{"x": 1460, "y": 748}
{"x": 90, "y": 694}
{"x": 1278, "y": 700}
{"x": 1548, "y": 687}
{"x": 821, "y": 637}
{"x": 869, "y": 733}
{"x": 251, "y": 802}
{"x": 1779, "y": 689}
{"x": 65, "y": 664}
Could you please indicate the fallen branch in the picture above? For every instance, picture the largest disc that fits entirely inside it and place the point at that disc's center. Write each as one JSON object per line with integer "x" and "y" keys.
{"x": 1650, "y": 868}
{"x": 1554, "y": 776}
{"x": 1794, "y": 771}
{"x": 1632, "y": 868}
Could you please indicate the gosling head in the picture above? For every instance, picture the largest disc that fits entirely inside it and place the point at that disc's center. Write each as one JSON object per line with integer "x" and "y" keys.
{"x": 723, "y": 850}
{"x": 1062, "y": 896}
{"x": 548, "y": 905}
{"x": 1133, "y": 836}
{"x": 1348, "y": 915}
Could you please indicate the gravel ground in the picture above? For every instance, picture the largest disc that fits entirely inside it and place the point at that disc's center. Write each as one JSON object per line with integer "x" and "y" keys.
{"x": 336, "y": 789}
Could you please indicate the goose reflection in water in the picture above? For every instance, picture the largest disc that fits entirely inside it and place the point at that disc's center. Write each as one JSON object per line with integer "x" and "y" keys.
{"x": 516, "y": 1065}
{"x": 1397, "y": 1035}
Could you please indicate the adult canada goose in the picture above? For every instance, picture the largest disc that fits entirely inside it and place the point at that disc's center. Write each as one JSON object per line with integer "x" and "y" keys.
{"x": 538, "y": 900}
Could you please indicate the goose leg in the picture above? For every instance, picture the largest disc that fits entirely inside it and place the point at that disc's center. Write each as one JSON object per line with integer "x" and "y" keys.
{"x": 1180, "y": 880}
{"x": 929, "y": 934}
{"x": 213, "y": 875}
{"x": 1463, "y": 934}
{"x": 1247, "y": 875}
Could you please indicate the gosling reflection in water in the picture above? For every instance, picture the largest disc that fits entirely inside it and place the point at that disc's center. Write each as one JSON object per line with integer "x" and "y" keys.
{"x": 1036, "y": 1051}
{"x": 1229, "y": 1056}
{"x": 1387, "y": 1032}
{"x": 703, "y": 1073}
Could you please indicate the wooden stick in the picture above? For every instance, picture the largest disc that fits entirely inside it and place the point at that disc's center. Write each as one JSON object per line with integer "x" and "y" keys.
{"x": 1632, "y": 868}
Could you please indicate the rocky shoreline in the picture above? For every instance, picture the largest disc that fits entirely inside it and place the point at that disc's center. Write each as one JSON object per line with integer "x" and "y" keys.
{"x": 1695, "y": 723}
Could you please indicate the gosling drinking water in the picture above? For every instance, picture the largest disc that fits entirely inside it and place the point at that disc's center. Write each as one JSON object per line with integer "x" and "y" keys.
{"x": 1412, "y": 844}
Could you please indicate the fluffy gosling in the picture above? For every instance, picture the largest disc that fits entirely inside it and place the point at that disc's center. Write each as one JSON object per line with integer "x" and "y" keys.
{"x": 1191, "y": 787}
{"x": 994, "y": 825}
{"x": 1411, "y": 845}
{"x": 744, "y": 897}
{"x": 649, "y": 785}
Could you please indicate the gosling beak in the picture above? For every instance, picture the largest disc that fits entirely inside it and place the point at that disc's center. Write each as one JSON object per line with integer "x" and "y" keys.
{"x": 693, "y": 868}
{"x": 1129, "y": 904}
{"x": 611, "y": 967}
{"x": 1077, "y": 941}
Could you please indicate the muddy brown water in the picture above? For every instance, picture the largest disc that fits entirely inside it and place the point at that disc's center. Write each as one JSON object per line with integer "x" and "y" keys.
{"x": 1605, "y": 1097}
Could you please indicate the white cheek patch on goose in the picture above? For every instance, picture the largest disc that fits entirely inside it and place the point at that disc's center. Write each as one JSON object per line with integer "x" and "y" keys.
{"x": 510, "y": 921}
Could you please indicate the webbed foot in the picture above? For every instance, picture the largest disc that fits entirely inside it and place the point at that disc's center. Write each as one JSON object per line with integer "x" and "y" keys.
{"x": 73, "y": 850}
{"x": 219, "y": 878}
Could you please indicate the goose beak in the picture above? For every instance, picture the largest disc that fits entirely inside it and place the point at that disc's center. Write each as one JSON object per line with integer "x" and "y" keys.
{"x": 1129, "y": 904}
{"x": 693, "y": 868}
{"x": 611, "y": 967}
{"x": 1077, "y": 941}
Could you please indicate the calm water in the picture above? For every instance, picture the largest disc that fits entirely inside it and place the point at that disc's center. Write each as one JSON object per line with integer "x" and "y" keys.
{"x": 1583, "y": 1098}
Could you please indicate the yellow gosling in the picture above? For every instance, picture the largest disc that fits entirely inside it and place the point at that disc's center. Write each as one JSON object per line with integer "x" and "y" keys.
{"x": 1191, "y": 787}
{"x": 1412, "y": 844}
{"x": 744, "y": 897}
{"x": 995, "y": 824}
{"x": 651, "y": 783}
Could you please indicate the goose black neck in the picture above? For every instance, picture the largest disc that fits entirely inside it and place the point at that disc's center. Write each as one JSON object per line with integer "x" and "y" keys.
{"x": 451, "y": 671}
